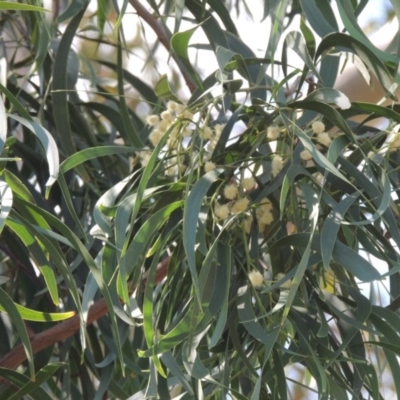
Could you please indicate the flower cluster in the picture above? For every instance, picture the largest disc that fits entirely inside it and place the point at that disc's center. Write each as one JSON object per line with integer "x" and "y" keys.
{"x": 232, "y": 200}
{"x": 176, "y": 118}
{"x": 323, "y": 138}
{"x": 236, "y": 204}
{"x": 179, "y": 122}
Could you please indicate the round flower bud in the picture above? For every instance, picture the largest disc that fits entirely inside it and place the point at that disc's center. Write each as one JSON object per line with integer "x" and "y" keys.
{"x": 205, "y": 133}
{"x": 256, "y": 278}
{"x": 155, "y": 137}
{"x": 305, "y": 155}
{"x": 248, "y": 183}
{"x": 152, "y": 120}
{"x": 171, "y": 106}
{"x": 209, "y": 166}
{"x": 324, "y": 139}
{"x": 273, "y": 132}
{"x": 240, "y": 205}
{"x": 221, "y": 211}
{"x": 166, "y": 116}
{"x": 231, "y": 191}
{"x": 318, "y": 127}
{"x": 265, "y": 218}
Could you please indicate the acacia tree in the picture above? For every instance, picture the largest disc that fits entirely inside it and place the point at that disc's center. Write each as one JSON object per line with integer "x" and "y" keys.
{"x": 217, "y": 246}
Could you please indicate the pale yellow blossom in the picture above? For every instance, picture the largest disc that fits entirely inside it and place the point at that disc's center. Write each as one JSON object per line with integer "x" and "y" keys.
{"x": 218, "y": 129}
{"x": 324, "y": 139}
{"x": 179, "y": 108}
{"x": 256, "y": 278}
{"x": 205, "y": 133}
{"x": 152, "y": 120}
{"x": 209, "y": 166}
{"x": 155, "y": 136}
{"x": 318, "y": 127}
{"x": 264, "y": 205}
{"x": 265, "y": 218}
{"x": 163, "y": 125}
{"x": 171, "y": 171}
{"x": 247, "y": 223}
{"x": 221, "y": 211}
{"x": 240, "y": 205}
{"x": 187, "y": 114}
{"x": 277, "y": 164}
{"x": 305, "y": 155}
{"x": 273, "y": 132}
{"x": 166, "y": 116}
{"x": 248, "y": 183}
{"x": 171, "y": 106}
{"x": 231, "y": 191}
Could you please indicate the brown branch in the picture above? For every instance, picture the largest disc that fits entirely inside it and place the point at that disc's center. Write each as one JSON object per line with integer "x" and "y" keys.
{"x": 162, "y": 37}
{"x": 69, "y": 327}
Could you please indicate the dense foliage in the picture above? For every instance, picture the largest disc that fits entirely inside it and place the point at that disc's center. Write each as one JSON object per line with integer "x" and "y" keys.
{"x": 202, "y": 236}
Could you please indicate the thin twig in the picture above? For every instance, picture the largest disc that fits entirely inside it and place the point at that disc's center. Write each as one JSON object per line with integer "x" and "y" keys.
{"x": 144, "y": 14}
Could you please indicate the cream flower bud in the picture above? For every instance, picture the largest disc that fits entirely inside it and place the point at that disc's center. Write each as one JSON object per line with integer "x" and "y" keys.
{"x": 265, "y": 218}
{"x": 163, "y": 126}
{"x": 221, "y": 211}
{"x": 205, "y": 133}
{"x": 256, "y": 278}
{"x": 187, "y": 114}
{"x": 240, "y": 205}
{"x": 277, "y": 164}
{"x": 171, "y": 106}
{"x": 231, "y": 191}
{"x": 264, "y": 205}
{"x": 179, "y": 108}
{"x": 209, "y": 166}
{"x": 324, "y": 139}
{"x": 318, "y": 127}
{"x": 273, "y": 132}
{"x": 152, "y": 120}
{"x": 166, "y": 116}
{"x": 218, "y": 129}
{"x": 248, "y": 183}
{"x": 247, "y": 223}
{"x": 155, "y": 137}
{"x": 305, "y": 155}
{"x": 171, "y": 171}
